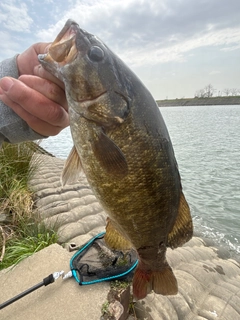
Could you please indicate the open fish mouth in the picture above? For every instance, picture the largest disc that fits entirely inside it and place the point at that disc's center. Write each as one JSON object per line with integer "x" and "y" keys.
{"x": 69, "y": 46}
{"x": 63, "y": 49}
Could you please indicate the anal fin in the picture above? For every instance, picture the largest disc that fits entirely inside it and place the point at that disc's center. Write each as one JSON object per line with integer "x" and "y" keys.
{"x": 182, "y": 230}
{"x": 114, "y": 240}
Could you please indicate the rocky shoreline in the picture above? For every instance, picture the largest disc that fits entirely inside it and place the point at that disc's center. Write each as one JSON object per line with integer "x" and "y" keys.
{"x": 199, "y": 101}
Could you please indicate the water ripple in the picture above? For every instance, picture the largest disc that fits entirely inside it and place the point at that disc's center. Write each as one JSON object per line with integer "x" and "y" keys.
{"x": 206, "y": 144}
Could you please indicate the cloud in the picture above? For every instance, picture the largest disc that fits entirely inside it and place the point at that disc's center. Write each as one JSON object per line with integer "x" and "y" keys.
{"x": 14, "y": 16}
{"x": 214, "y": 72}
{"x": 155, "y": 31}
{"x": 231, "y": 48}
{"x": 154, "y": 37}
{"x": 9, "y": 47}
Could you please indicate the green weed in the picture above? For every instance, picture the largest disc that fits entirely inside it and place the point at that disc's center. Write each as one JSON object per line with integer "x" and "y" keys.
{"x": 26, "y": 240}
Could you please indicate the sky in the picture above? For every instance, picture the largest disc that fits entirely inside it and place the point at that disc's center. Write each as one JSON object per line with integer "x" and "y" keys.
{"x": 176, "y": 47}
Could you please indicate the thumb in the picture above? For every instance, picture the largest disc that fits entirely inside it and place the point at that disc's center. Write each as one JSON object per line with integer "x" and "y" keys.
{"x": 41, "y": 47}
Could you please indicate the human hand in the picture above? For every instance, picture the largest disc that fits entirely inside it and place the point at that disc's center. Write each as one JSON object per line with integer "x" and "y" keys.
{"x": 28, "y": 63}
{"x": 36, "y": 96}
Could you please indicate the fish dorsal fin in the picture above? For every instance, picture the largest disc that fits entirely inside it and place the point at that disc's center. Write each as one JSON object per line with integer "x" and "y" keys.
{"x": 114, "y": 240}
{"x": 72, "y": 168}
{"x": 109, "y": 155}
{"x": 183, "y": 228}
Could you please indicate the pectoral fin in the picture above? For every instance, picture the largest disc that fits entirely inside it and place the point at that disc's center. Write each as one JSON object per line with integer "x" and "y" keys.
{"x": 72, "y": 168}
{"x": 183, "y": 228}
{"x": 109, "y": 155}
{"x": 114, "y": 240}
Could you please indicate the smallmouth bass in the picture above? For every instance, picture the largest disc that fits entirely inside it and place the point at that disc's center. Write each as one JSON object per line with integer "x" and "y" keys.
{"x": 122, "y": 144}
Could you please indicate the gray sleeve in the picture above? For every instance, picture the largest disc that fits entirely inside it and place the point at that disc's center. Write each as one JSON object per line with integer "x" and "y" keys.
{"x": 12, "y": 128}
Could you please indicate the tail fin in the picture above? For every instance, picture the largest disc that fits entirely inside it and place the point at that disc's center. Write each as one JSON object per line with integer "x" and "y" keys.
{"x": 160, "y": 281}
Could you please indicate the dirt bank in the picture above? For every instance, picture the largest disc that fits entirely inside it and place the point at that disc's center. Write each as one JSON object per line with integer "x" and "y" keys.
{"x": 200, "y": 101}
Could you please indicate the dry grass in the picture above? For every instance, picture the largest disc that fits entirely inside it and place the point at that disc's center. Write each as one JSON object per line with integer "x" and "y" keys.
{"x": 16, "y": 167}
{"x": 19, "y": 226}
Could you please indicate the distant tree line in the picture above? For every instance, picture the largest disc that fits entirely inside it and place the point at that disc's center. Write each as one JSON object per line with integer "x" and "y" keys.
{"x": 209, "y": 91}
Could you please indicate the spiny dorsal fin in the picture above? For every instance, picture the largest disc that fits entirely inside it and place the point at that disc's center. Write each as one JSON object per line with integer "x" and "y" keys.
{"x": 72, "y": 168}
{"x": 109, "y": 155}
{"x": 183, "y": 228}
{"x": 114, "y": 240}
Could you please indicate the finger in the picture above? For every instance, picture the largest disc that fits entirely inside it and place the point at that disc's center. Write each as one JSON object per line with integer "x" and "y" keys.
{"x": 41, "y": 47}
{"x": 28, "y": 59}
{"x": 39, "y": 71}
{"x": 34, "y": 103}
{"x": 47, "y": 88}
{"x": 38, "y": 125}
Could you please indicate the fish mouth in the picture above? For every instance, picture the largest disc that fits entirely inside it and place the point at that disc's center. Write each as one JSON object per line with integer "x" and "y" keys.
{"x": 62, "y": 52}
{"x": 63, "y": 49}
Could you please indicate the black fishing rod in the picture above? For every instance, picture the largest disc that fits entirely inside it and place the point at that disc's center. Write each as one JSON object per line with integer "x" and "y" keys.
{"x": 46, "y": 281}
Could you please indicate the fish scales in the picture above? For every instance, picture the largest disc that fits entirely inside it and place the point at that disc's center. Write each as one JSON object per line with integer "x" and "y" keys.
{"x": 122, "y": 144}
{"x": 136, "y": 195}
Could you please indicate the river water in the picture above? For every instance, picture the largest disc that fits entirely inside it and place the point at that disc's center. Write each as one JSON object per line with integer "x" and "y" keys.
{"x": 206, "y": 141}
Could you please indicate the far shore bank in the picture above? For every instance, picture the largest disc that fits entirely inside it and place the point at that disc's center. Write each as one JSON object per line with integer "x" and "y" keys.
{"x": 199, "y": 101}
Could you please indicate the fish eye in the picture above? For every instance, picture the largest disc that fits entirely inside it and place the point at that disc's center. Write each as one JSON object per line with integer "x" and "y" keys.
{"x": 96, "y": 54}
